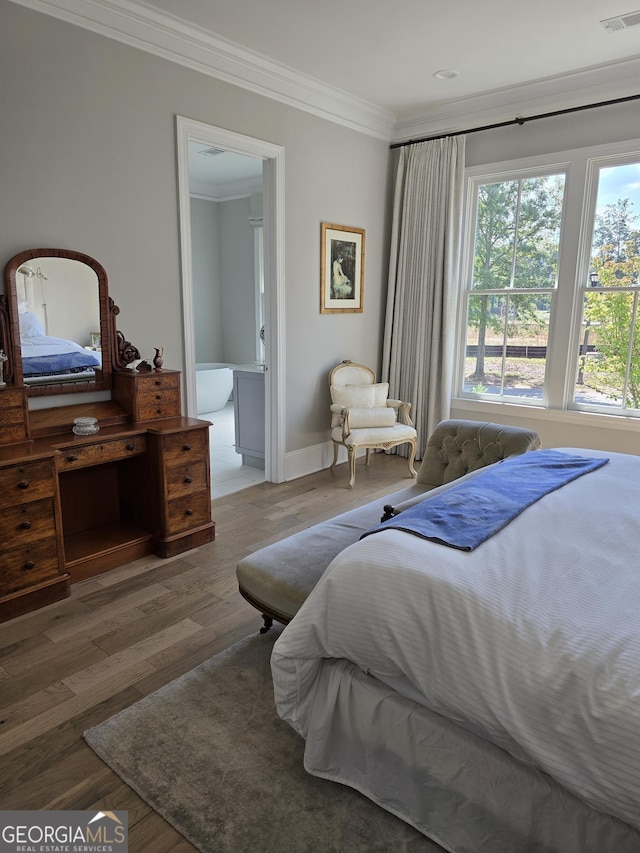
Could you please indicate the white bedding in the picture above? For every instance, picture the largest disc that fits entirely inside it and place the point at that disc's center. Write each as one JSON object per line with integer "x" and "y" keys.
{"x": 532, "y": 640}
{"x": 49, "y": 345}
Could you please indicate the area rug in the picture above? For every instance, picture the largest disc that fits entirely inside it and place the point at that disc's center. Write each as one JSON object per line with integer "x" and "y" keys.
{"x": 209, "y": 753}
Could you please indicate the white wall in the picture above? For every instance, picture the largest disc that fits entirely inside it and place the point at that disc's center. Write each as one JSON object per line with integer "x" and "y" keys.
{"x": 207, "y": 297}
{"x": 88, "y": 162}
{"x": 578, "y": 130}
{"x": 238, "y": 286}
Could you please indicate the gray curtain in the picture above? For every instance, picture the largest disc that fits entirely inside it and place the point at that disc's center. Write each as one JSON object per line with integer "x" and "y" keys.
{"x": 419, "y": 337}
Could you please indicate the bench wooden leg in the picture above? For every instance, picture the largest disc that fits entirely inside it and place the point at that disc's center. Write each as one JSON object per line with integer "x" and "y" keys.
{"x": 268, "y": 622}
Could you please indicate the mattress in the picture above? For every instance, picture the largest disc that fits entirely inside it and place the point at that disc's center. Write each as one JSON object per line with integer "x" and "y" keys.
{"x": 531, "y": 642}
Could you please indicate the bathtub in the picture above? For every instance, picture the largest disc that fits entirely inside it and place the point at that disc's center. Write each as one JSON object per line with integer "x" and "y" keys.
{"x": 214, "y": 384}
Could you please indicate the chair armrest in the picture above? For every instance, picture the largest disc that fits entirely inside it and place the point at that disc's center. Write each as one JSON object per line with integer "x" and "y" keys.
{"x": 340, "y": 417}
{"x": 403, "y": 411}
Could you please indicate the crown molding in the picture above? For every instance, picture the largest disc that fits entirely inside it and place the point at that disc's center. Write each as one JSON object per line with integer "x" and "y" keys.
{"x": 229, "y": 191}
{"x": 141, "y": 26}
{"x": 579, "y": 88}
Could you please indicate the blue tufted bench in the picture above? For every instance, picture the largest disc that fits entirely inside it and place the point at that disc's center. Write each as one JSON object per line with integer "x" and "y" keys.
{"x": 277, "y": 579}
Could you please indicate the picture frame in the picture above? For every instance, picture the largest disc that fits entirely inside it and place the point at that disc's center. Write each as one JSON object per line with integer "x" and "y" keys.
{"x": 341, "y": 269}
{"x": 94, "y": 340}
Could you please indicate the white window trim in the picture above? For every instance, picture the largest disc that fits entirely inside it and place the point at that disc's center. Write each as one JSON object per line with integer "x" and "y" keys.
{"x": 581, "y": 168}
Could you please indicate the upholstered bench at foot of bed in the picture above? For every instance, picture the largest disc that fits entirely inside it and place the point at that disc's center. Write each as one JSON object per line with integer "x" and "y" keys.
{"x": 278, "y": 578}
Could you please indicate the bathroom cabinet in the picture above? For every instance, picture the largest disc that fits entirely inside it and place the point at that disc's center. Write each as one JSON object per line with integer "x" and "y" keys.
{"x": 248, "y": 395}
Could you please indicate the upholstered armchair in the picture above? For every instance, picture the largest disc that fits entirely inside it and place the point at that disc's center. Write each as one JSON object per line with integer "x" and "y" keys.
{"x": 362, "y": 415}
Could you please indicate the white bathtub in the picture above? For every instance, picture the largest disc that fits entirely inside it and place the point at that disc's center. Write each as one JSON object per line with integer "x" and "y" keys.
{"x": 214, "y": 384}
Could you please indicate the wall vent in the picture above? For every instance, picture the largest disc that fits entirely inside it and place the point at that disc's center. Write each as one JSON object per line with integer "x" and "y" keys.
{"x": 622, "y": 22}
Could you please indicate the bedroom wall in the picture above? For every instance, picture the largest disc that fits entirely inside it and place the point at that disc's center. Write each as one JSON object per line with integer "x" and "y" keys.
{"x": 88, "y": 162}
{"x": 579, "y": 130}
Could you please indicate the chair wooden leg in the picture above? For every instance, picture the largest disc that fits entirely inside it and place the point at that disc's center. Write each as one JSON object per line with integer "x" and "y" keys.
{"x": 412, "y": 456}
{"x": 352, "y": 466}
{"x": 335, "y": 456}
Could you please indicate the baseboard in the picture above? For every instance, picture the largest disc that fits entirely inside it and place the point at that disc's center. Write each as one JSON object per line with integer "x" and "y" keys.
{"x": 308, "y": 460}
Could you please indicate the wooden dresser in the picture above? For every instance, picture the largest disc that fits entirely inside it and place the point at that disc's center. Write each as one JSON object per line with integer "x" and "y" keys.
{"x": 75, "y": 506}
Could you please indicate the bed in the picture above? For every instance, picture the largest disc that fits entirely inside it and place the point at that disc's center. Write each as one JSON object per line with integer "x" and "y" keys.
{"x": 491, "y": 698}
{"x": 46, "y": 358}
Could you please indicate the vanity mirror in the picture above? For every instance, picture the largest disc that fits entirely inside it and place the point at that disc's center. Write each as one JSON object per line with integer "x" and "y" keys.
{"x": 61, "y": 322}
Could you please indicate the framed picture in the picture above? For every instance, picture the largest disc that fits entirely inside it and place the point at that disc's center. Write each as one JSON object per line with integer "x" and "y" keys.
{"x": 94, "y": 340}
{"x": 341, "y": 269}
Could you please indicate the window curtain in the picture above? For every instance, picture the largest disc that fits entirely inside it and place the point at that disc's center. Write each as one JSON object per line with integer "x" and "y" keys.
{"x": 419, "y": 336}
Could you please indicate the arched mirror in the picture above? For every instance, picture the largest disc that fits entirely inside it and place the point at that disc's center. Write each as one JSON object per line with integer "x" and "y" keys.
{"x": 60, "y": 322}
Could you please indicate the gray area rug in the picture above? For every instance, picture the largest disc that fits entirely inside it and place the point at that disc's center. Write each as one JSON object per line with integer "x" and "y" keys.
{"x": 209, "y": 753}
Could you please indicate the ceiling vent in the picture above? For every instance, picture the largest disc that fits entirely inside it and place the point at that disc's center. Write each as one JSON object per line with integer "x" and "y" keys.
{"x": 212, "y": 152}
{"x": 622, "y": 22}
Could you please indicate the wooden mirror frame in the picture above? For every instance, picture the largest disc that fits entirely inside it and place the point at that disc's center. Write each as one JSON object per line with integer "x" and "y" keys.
{"x": 13, "y": 367}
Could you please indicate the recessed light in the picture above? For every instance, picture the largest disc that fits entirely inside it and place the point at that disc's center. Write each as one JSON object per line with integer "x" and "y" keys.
{"x": 445, "y": 75}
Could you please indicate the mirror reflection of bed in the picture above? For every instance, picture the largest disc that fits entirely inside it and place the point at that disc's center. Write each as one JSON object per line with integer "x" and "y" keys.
{"x": 58, "y": 312}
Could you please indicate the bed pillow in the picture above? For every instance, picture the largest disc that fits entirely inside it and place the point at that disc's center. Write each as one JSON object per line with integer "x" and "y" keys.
{"x": 30, "y": 326}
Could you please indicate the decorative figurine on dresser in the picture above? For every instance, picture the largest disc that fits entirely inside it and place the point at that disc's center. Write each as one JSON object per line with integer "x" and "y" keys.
{"x": 86, "y": 487}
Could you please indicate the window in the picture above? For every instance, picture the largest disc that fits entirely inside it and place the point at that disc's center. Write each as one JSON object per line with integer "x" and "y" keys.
{"x": 608, "y": 371}
{"x": 551, "y": 308}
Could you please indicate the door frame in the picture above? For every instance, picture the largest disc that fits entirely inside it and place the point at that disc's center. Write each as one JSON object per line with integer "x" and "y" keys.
{"x": 189, "y": 130}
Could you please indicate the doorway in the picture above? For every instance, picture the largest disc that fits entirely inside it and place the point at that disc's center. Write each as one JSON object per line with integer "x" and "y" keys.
{"x": 247, "y": 153}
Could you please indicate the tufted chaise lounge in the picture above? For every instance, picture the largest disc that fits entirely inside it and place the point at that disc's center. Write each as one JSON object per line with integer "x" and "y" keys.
{"x": 277, "y": 579}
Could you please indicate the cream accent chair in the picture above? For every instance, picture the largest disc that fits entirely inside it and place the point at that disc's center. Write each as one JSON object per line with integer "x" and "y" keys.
{"x": 363, "y": 416}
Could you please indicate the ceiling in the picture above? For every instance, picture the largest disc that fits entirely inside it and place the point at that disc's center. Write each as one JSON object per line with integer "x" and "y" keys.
{"x": 219, "y": 175}
{"x": 370, "y": 64}
{"x": 387, "y": 52}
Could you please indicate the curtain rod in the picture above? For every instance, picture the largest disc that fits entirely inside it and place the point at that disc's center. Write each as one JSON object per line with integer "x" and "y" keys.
{"x": 521, "y": 120}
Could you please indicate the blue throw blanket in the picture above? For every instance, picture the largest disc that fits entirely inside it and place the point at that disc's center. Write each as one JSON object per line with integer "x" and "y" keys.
{"x": 467, "y": 514}
{"x": 66, "y": 362}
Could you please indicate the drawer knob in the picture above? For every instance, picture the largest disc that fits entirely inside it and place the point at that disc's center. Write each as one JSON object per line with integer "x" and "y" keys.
{"x": 29, "y": 565}
{"x": 72, "y": 458}
{"x": 23, "y": 484}
{"x": 158, "y": 396}
{"x": 158, "y": 411}
{"x": 186, "y": 447}
{"x": 130, "y": 446}
{"x": 26, "y": 525}
{"x": 158, "y": 382}
{"x": 188, "y": 480}
{"x": 188, "y": 512}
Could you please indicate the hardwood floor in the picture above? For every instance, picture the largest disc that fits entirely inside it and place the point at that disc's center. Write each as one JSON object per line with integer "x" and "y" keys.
{"x": 127, "y": 632}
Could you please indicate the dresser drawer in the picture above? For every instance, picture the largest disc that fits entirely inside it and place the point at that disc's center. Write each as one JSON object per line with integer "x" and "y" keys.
{"x": 183, "y": 447}
{"x": 105, "y": 451}
{"x": 13, "y": 433}
{"x": 11, "y": 407}
{"x": 158, "y": 382}
{"x": 187, "y": 512}
{"x": 27, "y": 482}
{"x": 186, "y": 479}
{"x": 159, "y": 404}
{"x": 23, "y": 567}
{"x": 13, "y": 415}
{"x": 27, "y": 523}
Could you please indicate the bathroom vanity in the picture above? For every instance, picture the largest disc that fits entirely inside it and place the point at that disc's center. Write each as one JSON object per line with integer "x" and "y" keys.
{"x": 73, "y": 506}
{"x": 249, "y": 407}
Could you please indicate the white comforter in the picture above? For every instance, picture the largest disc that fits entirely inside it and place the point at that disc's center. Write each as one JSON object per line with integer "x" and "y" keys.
{"x": 532, "y": 640}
